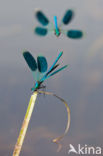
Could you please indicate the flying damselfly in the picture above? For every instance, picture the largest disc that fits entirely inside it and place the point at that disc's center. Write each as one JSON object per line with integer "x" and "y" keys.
{"x": 57, "y": 29}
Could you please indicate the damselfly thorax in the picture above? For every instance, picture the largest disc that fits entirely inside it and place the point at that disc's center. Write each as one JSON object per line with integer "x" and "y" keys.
{"x": 38, "y": 85}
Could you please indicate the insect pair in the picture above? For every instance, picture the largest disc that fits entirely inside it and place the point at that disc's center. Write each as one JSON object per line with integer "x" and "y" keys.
{"x": 49, "y": 27}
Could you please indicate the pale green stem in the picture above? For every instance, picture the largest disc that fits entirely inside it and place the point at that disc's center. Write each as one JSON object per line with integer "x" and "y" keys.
{"x": 24, "y": 127}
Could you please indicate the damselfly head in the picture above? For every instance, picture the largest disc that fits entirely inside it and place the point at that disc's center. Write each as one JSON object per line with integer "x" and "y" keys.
{"x": 35, "y": 87}
{"x": 38, "y": 85}
{"x": 57, "y": 32}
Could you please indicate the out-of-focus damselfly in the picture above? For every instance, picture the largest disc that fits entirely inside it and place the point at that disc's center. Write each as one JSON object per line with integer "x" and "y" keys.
{"x": 56, "y": 28}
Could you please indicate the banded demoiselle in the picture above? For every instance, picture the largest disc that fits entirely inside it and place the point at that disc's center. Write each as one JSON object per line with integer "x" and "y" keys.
{"x": 56, "y": 28}
{"x": 40, "y": 74}
{"x": 39, "y": 68}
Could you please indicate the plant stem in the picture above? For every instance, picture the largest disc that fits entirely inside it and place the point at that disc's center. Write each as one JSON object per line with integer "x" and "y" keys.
{"x": 25, "y": 123}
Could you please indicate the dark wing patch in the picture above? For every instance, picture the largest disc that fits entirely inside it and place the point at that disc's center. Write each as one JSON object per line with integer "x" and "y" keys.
{"x": 42, "y": 18}
{"x": 75, "y": 34}
{"x": 41, "y": 31}
{"x": 42, "y": 64}
{"x": 68, "y": 16}
{"x": 30, "y": 60}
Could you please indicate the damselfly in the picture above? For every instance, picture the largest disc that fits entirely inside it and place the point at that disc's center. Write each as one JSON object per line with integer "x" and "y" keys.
{"x": 40, "y": 74}
{"x": 55, "y": 27}
{"x": 39, "y": 68}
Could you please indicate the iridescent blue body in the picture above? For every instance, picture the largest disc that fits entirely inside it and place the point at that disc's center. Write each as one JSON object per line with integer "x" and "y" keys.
{"x": 36, "y": 86}
{"x": 41, "y": 66}
{"x": 56, "y": 29}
